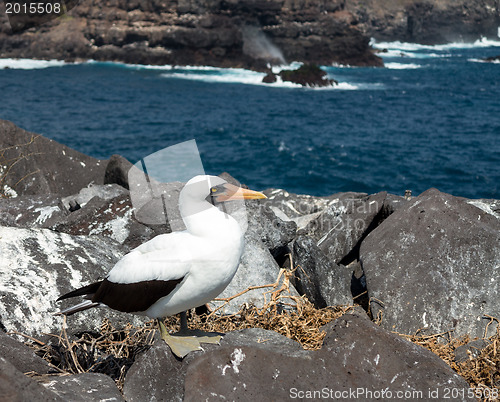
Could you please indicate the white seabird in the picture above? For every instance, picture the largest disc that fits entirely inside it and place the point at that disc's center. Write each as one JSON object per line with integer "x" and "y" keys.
{"x": 178, "y": 271}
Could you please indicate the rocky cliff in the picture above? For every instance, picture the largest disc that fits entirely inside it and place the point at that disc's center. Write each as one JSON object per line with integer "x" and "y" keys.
{"x": 425, "y": 21}
{"x": 248, "y": 33}
{"x": 243, "y": 33}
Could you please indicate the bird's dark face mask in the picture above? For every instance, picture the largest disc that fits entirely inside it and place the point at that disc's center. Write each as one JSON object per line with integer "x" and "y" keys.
{"x": 229, "y": 192}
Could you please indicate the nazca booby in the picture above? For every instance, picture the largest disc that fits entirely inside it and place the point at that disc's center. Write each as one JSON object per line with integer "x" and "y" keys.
{"x": 178, "y": 271}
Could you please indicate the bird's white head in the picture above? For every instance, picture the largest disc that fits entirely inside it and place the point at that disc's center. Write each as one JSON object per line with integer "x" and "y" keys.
{"x": 202, "y": 192}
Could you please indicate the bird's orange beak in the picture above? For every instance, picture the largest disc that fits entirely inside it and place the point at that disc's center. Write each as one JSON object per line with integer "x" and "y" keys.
{"x": 232, "y": 192}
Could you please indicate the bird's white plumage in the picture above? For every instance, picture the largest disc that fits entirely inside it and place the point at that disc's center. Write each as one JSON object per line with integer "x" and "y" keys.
{"x": 206, "y": 255}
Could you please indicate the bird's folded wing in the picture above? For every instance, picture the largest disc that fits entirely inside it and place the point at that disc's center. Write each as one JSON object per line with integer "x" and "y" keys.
{"x": 165, "y": 257}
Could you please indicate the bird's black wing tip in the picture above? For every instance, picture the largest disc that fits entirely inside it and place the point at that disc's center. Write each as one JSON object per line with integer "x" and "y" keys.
{"x": 84, "y": 291}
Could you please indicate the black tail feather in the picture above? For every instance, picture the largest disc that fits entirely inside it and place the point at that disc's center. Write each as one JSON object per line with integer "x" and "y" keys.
{"x": 86, "y": 290}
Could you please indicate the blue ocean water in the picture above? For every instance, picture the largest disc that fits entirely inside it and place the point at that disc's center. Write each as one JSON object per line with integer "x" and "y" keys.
{"x": 431, "y": 118}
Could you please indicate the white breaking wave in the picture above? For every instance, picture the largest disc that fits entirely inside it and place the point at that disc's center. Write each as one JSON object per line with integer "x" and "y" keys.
{"x": 217, "y": 75}
{"x": 134, "y": 66}
{"x": 195, "y": 73}
{"x": 396, "y": 53}
{"x": 484, "y": 61}
{"x": 241, "y": 76}
{"x": 413, "y": 47}
{"x": 29, "y": 64}
{"x": 402, "y": 66}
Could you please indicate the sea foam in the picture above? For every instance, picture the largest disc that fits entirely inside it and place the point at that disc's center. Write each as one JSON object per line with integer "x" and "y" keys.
{"x": 29, "y": 64}
{"x": 414, "y": 47}
{"x": 402, "y": 66}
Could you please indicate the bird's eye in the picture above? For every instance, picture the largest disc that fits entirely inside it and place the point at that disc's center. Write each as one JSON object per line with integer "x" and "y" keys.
{"x": 213, "y": 190}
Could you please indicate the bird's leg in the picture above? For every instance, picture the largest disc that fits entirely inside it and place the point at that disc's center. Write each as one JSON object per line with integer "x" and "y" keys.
{"x": 180, "y": 345}
{"x": 201, "y": 336}
{"x": 184, "y": 322}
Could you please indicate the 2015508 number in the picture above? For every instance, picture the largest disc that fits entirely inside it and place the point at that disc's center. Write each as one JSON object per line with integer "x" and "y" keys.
{"x": 32, "y": 8}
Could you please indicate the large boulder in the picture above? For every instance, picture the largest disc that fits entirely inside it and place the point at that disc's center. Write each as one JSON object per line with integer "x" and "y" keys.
{"x": 318, "y": 277}
{"x": 434, "y": 264}
{"x": 84, "y": 387}
{"x": 340, "y": 228}
{"x": 105, "y": 210}
{"x": 15, "y": 386}
{"x": 32, "y": 211}
{"x": 39, "y": 265}
{"x": 358, "y": 360}
{"x": 22, "y": 357}
{"x": 276, "y": 234}
{"x": 308, "y": 75}
{"x": 330, "y": 241}
{"x": 33, "y": 164}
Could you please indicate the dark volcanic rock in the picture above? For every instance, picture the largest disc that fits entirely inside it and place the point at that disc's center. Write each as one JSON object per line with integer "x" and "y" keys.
{"x": 39, "y": 265}
{"x": 434, "y": 264}
{"x": 156, "y": 375}
{"x": 229, "y": 34}
{"x": 299, "y": 208}
{"x": 117, "y": 171}
{"x": 15, "y": 386}
{"x": 270, "y": 78}
{"x": 340, "y": 228}
{"x": 33, "y": 164}
{"x": 356, "y": 356}
{"x": 318, "y": 277}
{"x": 22, "y": 357}
{"x": 493, "y": 59}
{"x": 32, "y": 210}
{"x": 262, "y": 365}
{"x": 275, "y": 233}
{"x": 108, "y": 212}
{"x": 472, "y": 349}
{"x": 429, "y": 22}
{"x": 308, "y": 75}
{"x": 85, "y": 387}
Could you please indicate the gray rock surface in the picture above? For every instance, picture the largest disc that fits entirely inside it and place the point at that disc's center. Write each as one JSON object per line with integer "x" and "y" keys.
{"x": 111, "y": 217}
{"x": 22, "y": 357}
{"x": 39, "y": 265}
{"x": 32, "y": 211}
{"x": 434, "y": 264}
{"x": 318, "y": 277}
{"x": 15, "y": 386}
{"x": 33, "y": 164}
{"x": 275, "y": 233}
{"x": 85, "y": 387}
{"x": 357, "y": 356}
{"x": 117, "y": 171}
{"x": 339, "y": 229}
{"x": 156, "y": 375}
{"x": 429, "y": 22}
{"x": 299, "y": 208}
{"x": 471, "y": 350}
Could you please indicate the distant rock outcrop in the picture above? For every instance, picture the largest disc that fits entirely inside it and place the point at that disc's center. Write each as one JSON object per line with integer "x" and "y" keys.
{"x": 493, "y": 59}
{"x": 426, "y": 21}
{"x": 308, "y": 75}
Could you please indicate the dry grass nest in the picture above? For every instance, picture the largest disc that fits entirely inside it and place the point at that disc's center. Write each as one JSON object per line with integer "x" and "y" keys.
{"x": 112, "y": 351}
